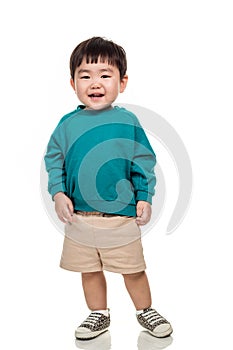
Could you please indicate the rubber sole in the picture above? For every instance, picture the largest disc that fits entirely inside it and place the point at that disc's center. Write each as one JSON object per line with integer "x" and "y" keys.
{"x": 162, "y": 331}
{"x": 89, "y": 336}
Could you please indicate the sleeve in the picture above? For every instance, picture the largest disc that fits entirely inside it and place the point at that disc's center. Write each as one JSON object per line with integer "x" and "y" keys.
{"x": 55, "y": 166}
{"x": 142, "y": 167}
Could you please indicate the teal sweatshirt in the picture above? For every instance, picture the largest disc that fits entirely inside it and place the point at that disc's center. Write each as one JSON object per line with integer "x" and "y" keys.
{"x": 102, "y": 160}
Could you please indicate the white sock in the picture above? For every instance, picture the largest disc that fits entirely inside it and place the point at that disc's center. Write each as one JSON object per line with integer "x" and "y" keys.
{"x": 104, "y": 312}
{"x": 138, "y": 312}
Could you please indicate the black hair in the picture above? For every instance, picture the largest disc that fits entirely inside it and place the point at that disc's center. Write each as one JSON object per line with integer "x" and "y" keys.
{"x": 99, "y": 48}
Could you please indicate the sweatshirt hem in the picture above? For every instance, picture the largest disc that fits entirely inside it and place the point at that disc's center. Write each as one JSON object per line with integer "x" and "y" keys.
{"x": 128, "y": 210}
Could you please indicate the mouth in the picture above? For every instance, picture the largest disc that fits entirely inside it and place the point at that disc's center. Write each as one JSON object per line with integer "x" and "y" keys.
{"x": 96, "y": 95}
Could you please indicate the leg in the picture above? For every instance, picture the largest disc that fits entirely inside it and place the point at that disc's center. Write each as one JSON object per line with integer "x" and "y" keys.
{"x": 138, "y": 288}
{"x": 94, "y": 286}
{"x": 95, "y": 290}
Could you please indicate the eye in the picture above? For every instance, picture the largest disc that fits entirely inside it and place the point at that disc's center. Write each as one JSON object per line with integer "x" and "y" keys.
{"x": 85, "y": 77}
{"x": 105, "y": 76}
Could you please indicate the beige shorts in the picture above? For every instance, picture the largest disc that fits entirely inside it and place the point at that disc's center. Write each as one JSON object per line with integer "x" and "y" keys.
{"x": 95, "y": 243}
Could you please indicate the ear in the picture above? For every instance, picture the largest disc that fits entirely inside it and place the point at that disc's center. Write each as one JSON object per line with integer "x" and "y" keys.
{"x": 123, "y": 83}
{"x": 72, "y": 83}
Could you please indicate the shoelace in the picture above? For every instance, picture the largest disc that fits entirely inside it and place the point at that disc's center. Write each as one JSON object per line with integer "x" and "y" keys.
{"x": 152, "y": 316}
{"x": 92, "y": 319}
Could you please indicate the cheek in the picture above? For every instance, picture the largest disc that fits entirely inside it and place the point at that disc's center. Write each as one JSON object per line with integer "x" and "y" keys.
{"x": 79, "y": 90}
{"x": 80, "y": 86}
{"x": 115, "y": 88}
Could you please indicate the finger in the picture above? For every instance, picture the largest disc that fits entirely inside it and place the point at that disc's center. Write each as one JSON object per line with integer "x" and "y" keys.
{"x": 140, "y": 222}
{"x": 70, "y": 212}
{"x": 66, "y": 215}
{"x": 139, "y": 211}
{"x": 143, "y": 220}
{"x": 71, "y": 208}
{"x": 62, "y": 219}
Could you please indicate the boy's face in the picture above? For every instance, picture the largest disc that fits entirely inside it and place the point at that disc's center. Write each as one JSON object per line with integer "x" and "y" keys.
{"x": 97, "y": 85}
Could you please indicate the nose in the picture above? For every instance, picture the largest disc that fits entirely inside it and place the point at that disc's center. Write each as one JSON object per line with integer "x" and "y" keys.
{"x": 95, "y": 83}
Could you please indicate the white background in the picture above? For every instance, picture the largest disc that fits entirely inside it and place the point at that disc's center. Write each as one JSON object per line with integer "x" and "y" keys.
{"x": 180, "y": 66}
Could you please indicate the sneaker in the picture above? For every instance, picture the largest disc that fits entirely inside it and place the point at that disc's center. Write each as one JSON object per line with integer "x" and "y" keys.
{"x": 147, "y": 341}
{"x": 95, "y": 324}
{"x": 103, "y": 342}
{"x": 154, "y": 323}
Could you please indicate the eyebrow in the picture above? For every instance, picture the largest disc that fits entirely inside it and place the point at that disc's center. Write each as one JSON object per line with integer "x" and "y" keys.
{"x": 100, "y": 71}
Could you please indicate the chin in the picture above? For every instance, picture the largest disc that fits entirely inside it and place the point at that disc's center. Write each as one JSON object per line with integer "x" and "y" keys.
{"x": 100, "y": 106}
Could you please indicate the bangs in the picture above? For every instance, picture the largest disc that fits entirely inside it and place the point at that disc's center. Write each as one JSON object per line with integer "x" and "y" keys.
{"x": 95, "y": 58}
{"x": 103, "y": 51}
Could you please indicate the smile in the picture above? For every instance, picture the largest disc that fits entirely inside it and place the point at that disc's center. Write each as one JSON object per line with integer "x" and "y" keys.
{"x": 96, "y": 95}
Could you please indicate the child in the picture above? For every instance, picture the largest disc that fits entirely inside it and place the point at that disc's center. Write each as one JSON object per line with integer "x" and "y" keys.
{"x": 101, "y": 177}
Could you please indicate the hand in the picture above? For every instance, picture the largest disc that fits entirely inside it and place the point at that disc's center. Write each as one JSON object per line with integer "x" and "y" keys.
{"x": 64, "y": 207}
{"x": 143, "y": 212}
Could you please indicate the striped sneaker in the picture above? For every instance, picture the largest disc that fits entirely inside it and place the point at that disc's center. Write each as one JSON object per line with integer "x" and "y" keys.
{"x": 152, "y": 321}
{"x": 95, "y": 324}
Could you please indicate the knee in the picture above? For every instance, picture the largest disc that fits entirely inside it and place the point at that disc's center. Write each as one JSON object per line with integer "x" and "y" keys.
{"x": 90, "y": 275}
{"x": 133, "y": 276}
